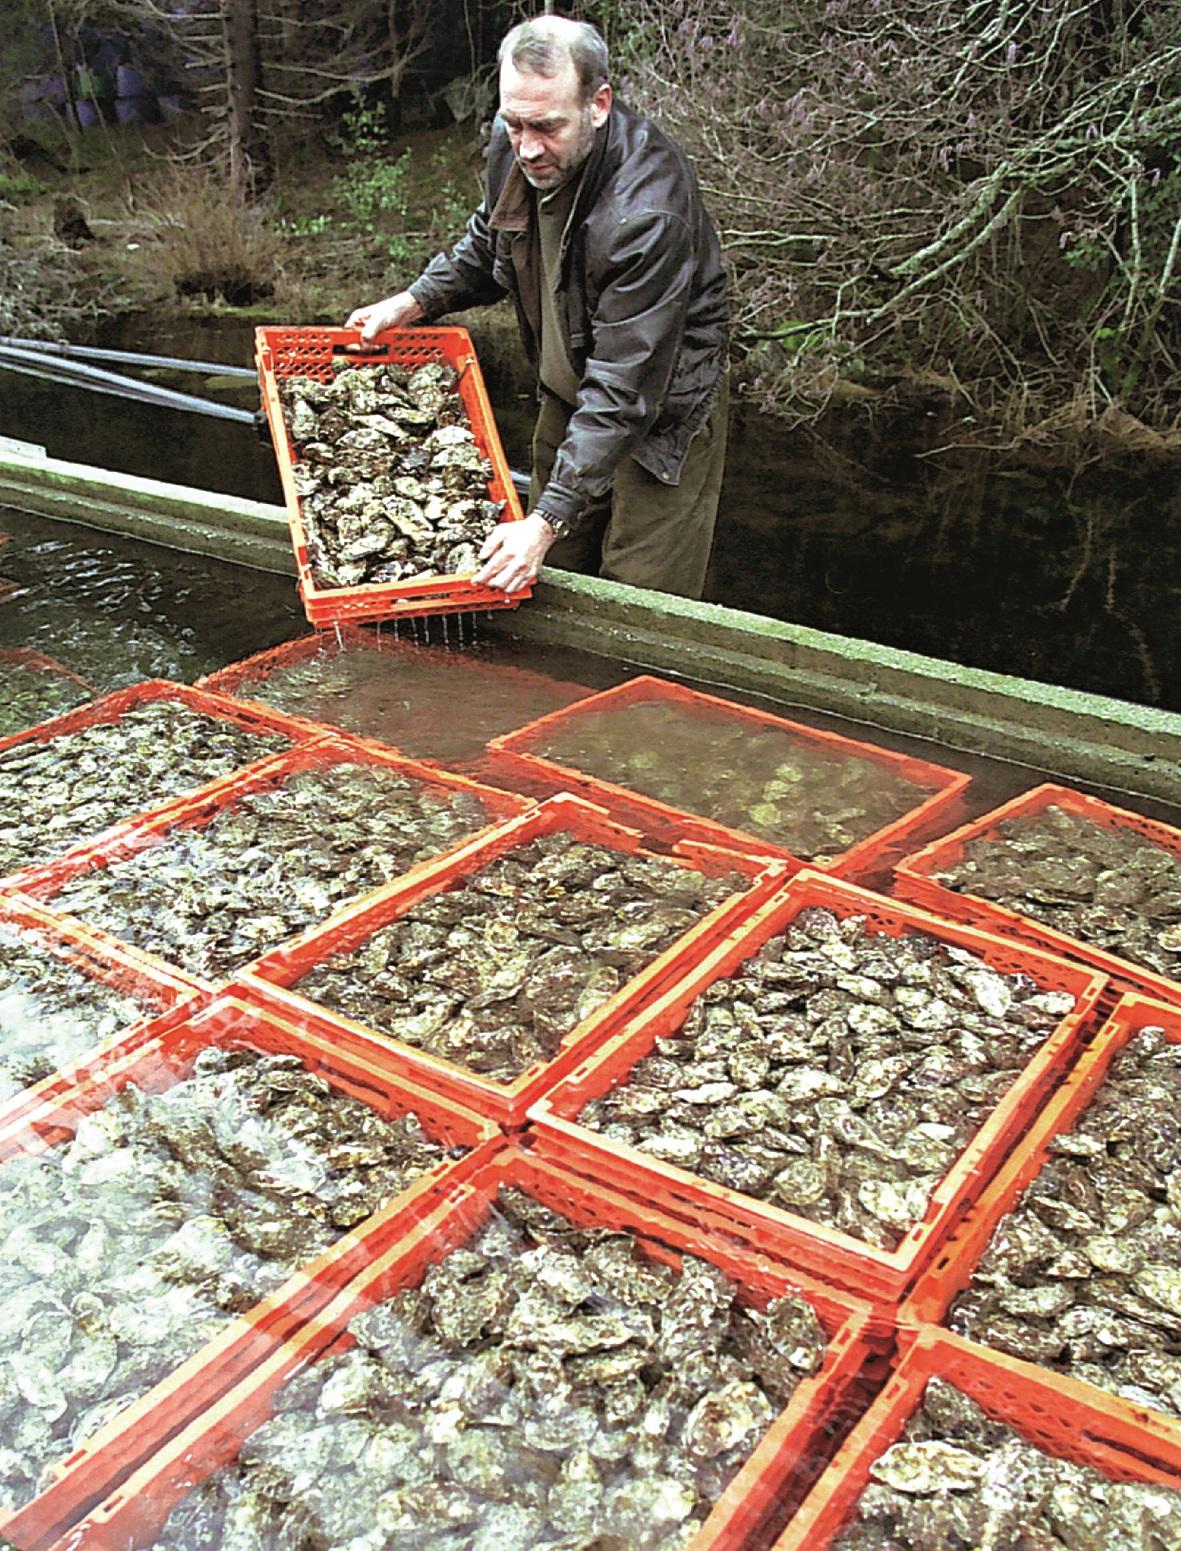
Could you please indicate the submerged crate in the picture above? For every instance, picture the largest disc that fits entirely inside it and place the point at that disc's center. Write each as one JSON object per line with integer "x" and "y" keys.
{"x": 779, "y": 1468}
{"x": 314, "y": 352}
{"x": 133, "y": 840}
{"x": 915, "y": 878}
{"x": 839, "y": 1257}
{"x": 111, "y": 709}
{"x": 937, "y": 791}
{"x": 36, "y": 687}
{"x": 954, "y": 1267}
{"x": 250, "y": 1339}
{"x": 1063, "y": 1419}
{"x": 274, "y": 978}
{"x": 483, "y": 697}
{"x": 164, "y": 997}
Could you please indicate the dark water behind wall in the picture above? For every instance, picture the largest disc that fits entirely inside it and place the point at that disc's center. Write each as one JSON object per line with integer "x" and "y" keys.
{"x": 992, "y": 568}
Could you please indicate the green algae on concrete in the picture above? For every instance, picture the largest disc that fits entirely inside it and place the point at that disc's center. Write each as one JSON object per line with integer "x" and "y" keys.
{"x": 201, "y": 522}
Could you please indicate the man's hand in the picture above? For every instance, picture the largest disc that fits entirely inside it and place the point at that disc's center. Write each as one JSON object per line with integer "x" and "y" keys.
{"x": 512, "y": 554}
{"x": 394, "y": 312}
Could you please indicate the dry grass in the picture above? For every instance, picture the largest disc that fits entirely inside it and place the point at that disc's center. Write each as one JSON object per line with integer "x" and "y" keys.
{"x": 205, "y": 242}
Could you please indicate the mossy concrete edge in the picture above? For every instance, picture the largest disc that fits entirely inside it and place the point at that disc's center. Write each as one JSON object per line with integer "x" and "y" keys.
{"x": 200, "y": 522}
{"x": 1064, "y": 732}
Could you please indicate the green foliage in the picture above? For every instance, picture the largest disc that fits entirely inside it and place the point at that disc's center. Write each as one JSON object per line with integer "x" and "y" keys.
{"x": 305, "y": 225}
{"x": 452, "y": 204}
{"x": 17, "y": 188}
{"x": 369, "y": 192}
{"x": 372, "y": 189}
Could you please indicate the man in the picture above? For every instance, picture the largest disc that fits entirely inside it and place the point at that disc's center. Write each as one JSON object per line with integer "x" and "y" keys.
{"x": 592, "y": 222}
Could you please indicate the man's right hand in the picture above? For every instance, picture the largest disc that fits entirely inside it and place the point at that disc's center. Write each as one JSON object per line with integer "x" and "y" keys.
{"x": 394, "y": 312}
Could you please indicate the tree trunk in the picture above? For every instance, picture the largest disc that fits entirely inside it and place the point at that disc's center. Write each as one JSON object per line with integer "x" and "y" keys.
{"x": 249, "y": 159}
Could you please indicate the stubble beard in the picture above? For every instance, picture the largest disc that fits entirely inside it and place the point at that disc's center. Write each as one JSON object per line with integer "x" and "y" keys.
{"x": 569, "y": 166}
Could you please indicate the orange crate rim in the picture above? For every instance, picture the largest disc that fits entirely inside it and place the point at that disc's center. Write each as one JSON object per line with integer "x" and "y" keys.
{"x": 42, "y": 883}
{"x": 310, "y": 351}
{"x": 939, "y": 790}
{"x": 273, "y": 979}
{"x": 132, "y": 1435}
{"x": 134, "y": 1513}
{"x": 839, "y": 1257}
{"x": 952, "y": 1270}
{"x": 913, "y": 881}
{"x": 1056, "y": 1416}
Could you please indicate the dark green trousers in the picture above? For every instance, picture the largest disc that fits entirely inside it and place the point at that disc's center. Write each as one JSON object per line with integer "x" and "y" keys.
{"x": 642, "y": 532}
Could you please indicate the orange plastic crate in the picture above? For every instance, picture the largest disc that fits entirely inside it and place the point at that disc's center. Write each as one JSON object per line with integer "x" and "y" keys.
{"x": 32, "y": 662}
{"x": 44, "y": 883}
{"x": 164, "y": 996}
{"x": 803, "y": 1432}
{"x": 112, "y": 707}
{"x": 953, "y": 1268}
{"x": 246, "y": 680}
{"x": 311, "y": 352}
{"x": 828, "y": 1252}
{"x": 938, "y": 791}
{"x": 913, "y": 880}
{"x": 191, "y": 1390}
{"x": 273, "y": 978}
{"x": 1066, "y": 1420}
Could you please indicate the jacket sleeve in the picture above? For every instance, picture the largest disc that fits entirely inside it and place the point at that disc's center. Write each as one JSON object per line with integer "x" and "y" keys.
{"x": 461, "y": 278}
{"x": 637, "y": 322}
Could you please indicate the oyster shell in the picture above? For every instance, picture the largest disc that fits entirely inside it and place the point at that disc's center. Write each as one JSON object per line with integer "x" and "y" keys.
{"x": 1102, "y": 884}
{"x": 507, "y": 1438}
{"x": 391, "y": 483}
{"x": 57, "y": 792}
{"x": 127, "y": 1247}
{"x": 866, "y": 1064}
{"x": 1082, "y": 1274}
{"x": 768, "y": 782}
{"x": 959, "y": 1481}
{"x": 495, "y": 972}
{"x": 211, "y": 899}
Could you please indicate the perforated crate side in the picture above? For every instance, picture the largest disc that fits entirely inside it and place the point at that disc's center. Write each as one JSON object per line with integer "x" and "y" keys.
{"x": 133, "y": 1514}
{"x": 273, "y": 979}
{"x": 1059, "y": 1417}
{"x": 839, "y": 1257}
{"x": 939, "y": 791}
{"x": 914, "y": 880}
{"x": 311, "y": 351}
{"x": 134, "y": 1434}
{"x": 953, "y": 1268}
{"x": 44, "y": 883}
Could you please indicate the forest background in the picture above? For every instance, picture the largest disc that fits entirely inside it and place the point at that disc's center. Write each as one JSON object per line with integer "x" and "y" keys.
{"x": 963, "y": 211}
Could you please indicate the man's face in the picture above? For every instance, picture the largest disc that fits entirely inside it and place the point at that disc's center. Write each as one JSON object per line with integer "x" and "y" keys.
{"x": 551, "y": 129}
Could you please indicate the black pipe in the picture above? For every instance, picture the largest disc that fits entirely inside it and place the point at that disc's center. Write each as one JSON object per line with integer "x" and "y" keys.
{"x": 128, "y": 357}
{"x": 74, "y": 374}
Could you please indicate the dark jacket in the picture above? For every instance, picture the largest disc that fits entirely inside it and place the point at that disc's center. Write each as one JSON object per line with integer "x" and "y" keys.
{"x": 643, "y": 294}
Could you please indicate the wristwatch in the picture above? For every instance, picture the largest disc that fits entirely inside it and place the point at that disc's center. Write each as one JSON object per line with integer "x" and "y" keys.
{"x": 557, "y": 525}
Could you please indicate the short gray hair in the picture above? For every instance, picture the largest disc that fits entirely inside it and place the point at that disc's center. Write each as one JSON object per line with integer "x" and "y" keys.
{"x": 543, "y": 46}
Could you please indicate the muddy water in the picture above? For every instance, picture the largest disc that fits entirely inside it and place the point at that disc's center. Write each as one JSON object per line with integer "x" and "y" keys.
{"x": 990, "y": 567}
